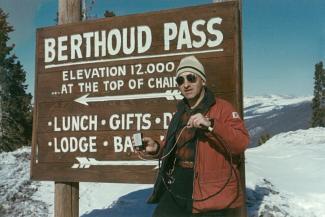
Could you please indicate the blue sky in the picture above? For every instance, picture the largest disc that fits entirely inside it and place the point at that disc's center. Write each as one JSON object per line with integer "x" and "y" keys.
{"x": 282, "y": 40}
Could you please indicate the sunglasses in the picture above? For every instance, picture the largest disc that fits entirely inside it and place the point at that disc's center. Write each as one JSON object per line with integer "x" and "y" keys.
{"x": 190, "y": 78}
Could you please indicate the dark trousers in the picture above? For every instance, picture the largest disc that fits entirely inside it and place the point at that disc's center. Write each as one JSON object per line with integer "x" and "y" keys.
{"x": 170, "y": 205}
{"x": 178, "y": 202}
{"x": 230, "y": 212}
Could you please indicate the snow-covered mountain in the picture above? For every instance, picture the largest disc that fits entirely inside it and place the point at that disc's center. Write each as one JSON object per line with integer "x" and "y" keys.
{"x": 285, "y": 176}
{"x": 274, "y": 114}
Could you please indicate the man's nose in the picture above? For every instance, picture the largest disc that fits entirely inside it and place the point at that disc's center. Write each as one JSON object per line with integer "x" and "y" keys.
{"x": 186, "y": 83}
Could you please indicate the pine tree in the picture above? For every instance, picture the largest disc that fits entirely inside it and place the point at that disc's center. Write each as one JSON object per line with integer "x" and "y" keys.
{"x": 15, "y": 103}
{"x": 109, "y": 13}
{"x": 318, "y": 116}
{"x": 323, "y": 88}
{"x": 263, "y": 138}
{"x": 322, "y": 101}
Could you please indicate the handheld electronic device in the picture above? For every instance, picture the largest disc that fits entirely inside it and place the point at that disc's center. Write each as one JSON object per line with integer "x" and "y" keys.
{"x": 138, "y": 144}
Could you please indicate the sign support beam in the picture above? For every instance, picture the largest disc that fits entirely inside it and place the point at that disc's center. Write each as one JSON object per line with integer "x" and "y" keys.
{"x": 240, "y": 70}
{"x": 66, "y": 202}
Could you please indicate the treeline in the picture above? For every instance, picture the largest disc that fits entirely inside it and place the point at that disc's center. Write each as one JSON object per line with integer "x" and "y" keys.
{"x": 15, "y": 103}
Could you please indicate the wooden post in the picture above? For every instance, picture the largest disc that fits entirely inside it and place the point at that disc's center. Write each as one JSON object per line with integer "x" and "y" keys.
{"x": 69, "y": 11}
{"x": 66, "y": 203}
{"x": 242, "y": 163}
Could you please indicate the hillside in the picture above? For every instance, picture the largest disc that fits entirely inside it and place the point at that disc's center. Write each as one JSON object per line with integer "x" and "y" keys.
{"x": 274, "y": 114}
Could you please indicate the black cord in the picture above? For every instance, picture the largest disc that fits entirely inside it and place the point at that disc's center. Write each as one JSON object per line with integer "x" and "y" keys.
{"x": 232, "y": 169}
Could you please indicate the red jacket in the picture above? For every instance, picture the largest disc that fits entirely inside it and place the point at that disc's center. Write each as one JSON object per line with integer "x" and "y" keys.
{"x": 211, "y": 168}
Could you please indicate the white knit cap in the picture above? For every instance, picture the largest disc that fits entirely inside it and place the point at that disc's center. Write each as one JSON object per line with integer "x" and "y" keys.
{"x": 191, "y": 64}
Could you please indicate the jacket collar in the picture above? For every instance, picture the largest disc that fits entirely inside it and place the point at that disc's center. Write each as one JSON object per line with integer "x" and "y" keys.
{"x": 207, "y": 101}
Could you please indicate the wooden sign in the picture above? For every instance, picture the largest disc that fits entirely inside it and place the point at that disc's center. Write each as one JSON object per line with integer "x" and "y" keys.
{"x": 99, "y": 82}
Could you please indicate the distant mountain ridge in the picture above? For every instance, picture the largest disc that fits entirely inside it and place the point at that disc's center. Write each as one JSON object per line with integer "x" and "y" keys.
{"x": 274, "y": 114}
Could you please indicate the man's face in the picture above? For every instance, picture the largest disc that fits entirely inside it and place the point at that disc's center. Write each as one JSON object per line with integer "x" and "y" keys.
{"x": 190, "y": 88}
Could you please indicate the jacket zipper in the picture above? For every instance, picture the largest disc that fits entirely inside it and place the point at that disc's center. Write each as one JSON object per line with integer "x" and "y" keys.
{"x": 195, "y": 173}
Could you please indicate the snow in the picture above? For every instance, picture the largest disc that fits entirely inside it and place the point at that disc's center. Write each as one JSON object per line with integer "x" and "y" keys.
{"x": 16, "y": 189}
{"x": 293, "y": 162}
{"x": 262, "y": 104}
{"x": 96, "y": 198}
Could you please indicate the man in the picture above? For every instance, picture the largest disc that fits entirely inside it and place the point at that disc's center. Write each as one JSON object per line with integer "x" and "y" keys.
{"x": 199, "y": 174}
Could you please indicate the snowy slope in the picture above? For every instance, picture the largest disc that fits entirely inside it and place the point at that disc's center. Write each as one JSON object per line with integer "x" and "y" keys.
{"x": 16, "y": 190}
{"x": 293, "y": 163}
{"x": 285, "y": 177}
{"x": 275, "y": 114}
{"x": 258, "y": 105}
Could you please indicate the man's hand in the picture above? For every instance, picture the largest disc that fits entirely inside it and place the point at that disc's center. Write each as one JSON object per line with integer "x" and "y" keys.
{"x": 150, "y": 146}
{"x": 198, "y": 120}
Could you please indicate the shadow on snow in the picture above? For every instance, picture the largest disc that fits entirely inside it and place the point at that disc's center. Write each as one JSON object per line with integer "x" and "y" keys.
{"x": 134, "y": 204}
{"x": 131, "y": 205}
